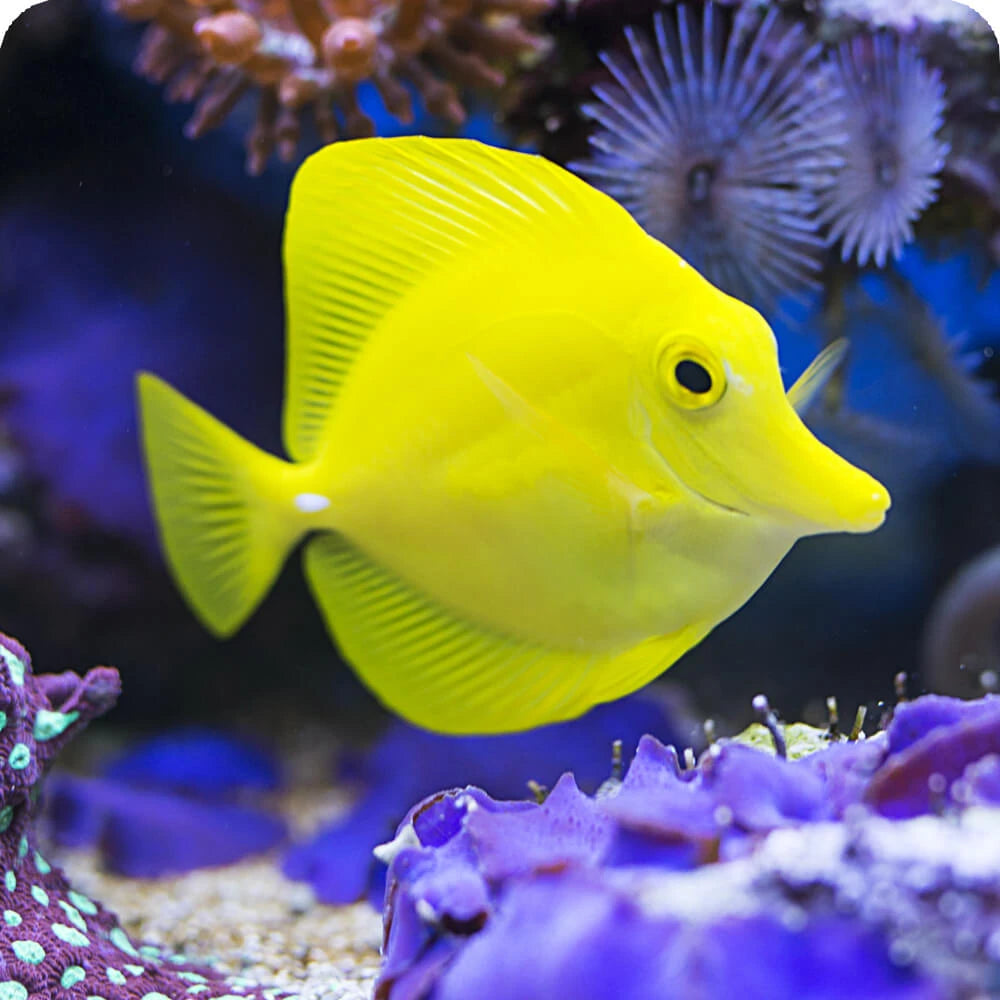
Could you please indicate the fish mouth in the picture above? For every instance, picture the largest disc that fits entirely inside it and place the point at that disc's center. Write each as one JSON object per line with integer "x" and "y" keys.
{"x": 796, "y": 482}
{"x": 717, "y": 504}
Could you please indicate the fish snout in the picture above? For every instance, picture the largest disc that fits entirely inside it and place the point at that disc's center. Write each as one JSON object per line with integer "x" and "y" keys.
{"x": 819, "y": 491}
{"x": 859, "y": 503}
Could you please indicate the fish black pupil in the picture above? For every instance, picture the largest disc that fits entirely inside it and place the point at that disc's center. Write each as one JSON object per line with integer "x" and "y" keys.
{"x": 693, "y": 376}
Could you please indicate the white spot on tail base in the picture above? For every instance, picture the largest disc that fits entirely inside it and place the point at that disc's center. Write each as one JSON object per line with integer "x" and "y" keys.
{"x": 309, "y": 503}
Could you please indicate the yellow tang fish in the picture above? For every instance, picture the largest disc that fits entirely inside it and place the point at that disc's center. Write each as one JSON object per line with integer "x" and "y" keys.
{"x": 535, "y": 456}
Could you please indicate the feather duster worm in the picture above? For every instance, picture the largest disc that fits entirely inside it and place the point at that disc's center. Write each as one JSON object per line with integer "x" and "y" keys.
{"x": 308, "y": 54}
{"x": 894, "y": 107}
{"x": 718, "y": 146}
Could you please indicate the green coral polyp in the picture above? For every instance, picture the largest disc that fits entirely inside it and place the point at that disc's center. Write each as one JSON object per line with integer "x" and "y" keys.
{"x": 73, "y": 915}
{"x": 74, "y": 974}
{"x": 15, "y": 666}
{"x": 51, "y": 724}
{"x": 120, "y": 940}
{"x": 70, "y": 935}
{"x": 82, "y": 903}
{"x": 28, "y": 951}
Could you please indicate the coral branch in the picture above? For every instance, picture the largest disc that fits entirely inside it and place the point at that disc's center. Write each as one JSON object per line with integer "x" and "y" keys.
{"x": 304, "y": 55}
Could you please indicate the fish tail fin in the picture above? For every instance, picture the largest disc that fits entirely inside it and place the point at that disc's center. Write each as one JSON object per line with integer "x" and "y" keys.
{"x": 223, "y": 506}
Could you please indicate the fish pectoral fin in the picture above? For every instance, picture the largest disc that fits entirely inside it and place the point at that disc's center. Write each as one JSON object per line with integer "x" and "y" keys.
{"x": 811, "y": 382}
{"x": 583, "y": 459}
{"x": 446, "y": 673}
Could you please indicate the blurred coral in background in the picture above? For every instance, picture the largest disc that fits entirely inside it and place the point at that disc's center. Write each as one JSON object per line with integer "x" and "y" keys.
{"x": 719, "y": 125}
{"x": 308, "y": 54}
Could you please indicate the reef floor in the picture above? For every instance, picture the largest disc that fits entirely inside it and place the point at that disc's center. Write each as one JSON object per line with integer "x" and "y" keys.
{"x": 246, "y": 919}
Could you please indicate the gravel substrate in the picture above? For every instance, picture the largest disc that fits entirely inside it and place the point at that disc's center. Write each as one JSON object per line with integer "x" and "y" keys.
{"x": 246, "y": 919}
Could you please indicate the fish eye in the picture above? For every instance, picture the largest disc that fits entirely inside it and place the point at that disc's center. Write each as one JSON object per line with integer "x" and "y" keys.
{"x": 691, "y": 374}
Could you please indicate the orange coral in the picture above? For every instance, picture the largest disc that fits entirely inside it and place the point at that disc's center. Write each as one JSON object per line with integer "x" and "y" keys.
{"x": 303, "y": 54}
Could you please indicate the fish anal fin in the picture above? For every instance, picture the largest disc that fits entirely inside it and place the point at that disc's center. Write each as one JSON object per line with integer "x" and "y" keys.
{"x": 448, "y": 674}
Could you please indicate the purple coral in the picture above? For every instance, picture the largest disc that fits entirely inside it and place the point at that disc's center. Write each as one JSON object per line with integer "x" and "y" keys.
{"x": 934, "y": 743}
{"x": 894, "y": 109}
{"x": 171, "y": 804}
{"x": 784, "y": 875}
{"x": 148, "y": 834}
{"x": 408, "y": 764}
{"x": 719, "y": 148}
{"x": 606, "y": 946}
{"x": 55, "y": 942}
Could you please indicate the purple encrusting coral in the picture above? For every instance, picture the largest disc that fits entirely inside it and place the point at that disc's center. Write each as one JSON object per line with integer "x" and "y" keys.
{"x": 790, "y": 876}
{"x": 171, "y": 804}
{"x": 148, "y": 834}
{"x": 408, "y": 763}
{"x": 55, "y": 942}
{"x": 198, "y": 761}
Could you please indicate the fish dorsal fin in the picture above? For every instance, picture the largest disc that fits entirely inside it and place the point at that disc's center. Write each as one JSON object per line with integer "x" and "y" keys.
{"x": 449, "y": 674}
{"x": 811, "y": 382}
{"x": 369, "y": 219}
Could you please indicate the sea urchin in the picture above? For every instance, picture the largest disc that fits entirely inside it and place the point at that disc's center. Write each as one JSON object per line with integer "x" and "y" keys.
{"x": 718, "y": 143}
